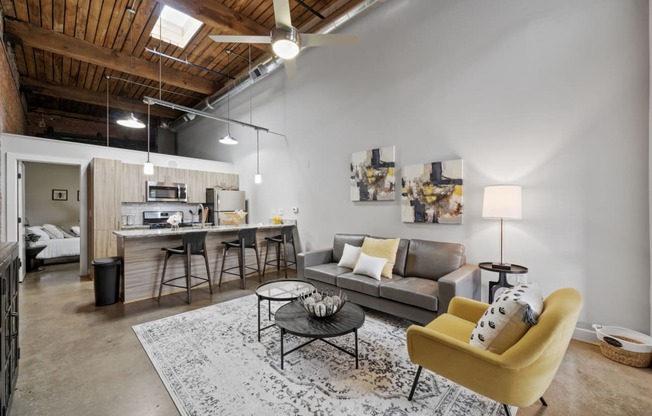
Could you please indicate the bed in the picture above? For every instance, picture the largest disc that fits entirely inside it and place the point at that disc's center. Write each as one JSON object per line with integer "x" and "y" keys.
{"x": 62, "y": 243}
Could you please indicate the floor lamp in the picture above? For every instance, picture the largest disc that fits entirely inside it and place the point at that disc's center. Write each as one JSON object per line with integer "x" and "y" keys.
{"x": 502, "y": 202}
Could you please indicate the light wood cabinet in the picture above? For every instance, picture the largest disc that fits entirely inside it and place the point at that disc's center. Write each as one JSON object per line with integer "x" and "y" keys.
{"x": 198, "y": 181}
{"x": 105, "y": 200}
{"x": 133, "y": 183}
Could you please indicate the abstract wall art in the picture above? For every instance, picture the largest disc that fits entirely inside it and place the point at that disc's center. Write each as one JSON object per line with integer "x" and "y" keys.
{"x": 373, "y": 175}
{"x": 432, "y": 192}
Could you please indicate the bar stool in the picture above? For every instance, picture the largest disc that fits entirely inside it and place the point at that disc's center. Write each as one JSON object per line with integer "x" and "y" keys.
{"x": 246, "y": 239}
{"x": 281, "y": 242}
{"x": 193, "y": 243}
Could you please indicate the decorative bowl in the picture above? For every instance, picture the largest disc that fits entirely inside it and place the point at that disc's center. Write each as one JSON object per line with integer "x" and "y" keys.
{"x": 322, "y": 304}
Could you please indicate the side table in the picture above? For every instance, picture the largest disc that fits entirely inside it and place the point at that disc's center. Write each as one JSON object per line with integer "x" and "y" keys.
{"x": 502, "y": 276}
{"x": 30, "y": 257}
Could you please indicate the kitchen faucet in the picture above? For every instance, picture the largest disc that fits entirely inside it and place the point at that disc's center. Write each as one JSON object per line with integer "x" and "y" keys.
{"x": 200, "y": 211}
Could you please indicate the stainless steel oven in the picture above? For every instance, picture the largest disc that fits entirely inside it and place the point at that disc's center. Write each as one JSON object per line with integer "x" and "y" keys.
{"x": 167, "y": 192}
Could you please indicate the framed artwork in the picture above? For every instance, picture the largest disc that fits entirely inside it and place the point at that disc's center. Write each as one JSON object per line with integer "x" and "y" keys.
{"x": 59, "y": 195}
{"x": 373, "y": 175}
{"x": 433, "y": 192}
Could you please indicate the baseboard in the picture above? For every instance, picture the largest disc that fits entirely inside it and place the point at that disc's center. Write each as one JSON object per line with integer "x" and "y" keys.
{"x": 585, "y": 335}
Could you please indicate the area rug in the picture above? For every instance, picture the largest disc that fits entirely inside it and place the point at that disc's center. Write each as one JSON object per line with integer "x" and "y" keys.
{"x": 212, "y": 364}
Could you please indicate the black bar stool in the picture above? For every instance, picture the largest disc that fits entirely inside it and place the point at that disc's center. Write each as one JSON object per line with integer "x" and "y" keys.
{"x": 193, "y": 243}
{"x": 281, "y": 242}
{"x": 246, "y": 239}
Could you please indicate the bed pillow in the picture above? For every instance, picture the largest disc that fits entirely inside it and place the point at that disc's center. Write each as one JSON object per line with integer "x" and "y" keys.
{"x": 75, "y": 230}
{"x": 370, "y": 266}
{"x": 508, "y": 318}
{"x": 38, "y": 231}
{"x": 65, "y": 233}
{"x": 382, "y": 247}
{"x": 52, "y": 231}
{"x": 349, "y": 256}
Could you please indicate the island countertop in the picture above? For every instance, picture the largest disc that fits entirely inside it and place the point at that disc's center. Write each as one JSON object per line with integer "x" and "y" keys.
{"x": 159, "y": 232}
{"x": 143, "y": 259}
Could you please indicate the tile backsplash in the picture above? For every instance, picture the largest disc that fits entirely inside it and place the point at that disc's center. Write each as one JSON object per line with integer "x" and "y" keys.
{"x": 136, "y": 210}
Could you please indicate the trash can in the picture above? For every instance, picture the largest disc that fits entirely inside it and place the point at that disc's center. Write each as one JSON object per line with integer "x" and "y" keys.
{"x": 107, "y": 280}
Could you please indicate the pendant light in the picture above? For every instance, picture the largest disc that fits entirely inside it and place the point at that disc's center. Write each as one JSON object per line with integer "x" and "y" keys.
{"x": 258, "y": 178}
{"x": 131, "y": 121}
{"x": 228, "y": 139}
{"x": 148, "y": 167}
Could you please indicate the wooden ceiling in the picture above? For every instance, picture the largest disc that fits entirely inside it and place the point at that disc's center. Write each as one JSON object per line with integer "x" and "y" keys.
{"x": 65, "y": 49}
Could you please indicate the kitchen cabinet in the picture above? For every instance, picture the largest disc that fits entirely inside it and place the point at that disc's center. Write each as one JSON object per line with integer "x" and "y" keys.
{"x": 9, "y": 324}
{"x": 133, "y": 183}
{"x": 105, "y": 206}
{"x": 198, "y": 181}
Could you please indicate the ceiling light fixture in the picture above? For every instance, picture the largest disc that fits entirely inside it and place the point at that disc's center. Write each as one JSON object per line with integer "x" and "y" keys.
{"x": 131, "y": 121}
{"x": 258, "y": 178}
{"x": 285, "y": 42}
{"x": 228, "y": 139}
{"x": 148, "y": 167}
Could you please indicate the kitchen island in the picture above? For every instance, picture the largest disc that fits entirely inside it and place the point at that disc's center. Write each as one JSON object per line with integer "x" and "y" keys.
{"x": 142, "y": 257}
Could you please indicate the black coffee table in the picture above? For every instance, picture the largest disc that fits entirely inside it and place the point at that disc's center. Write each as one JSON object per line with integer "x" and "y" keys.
{"x": 292, "y": 319}
{"x": 280, "y": 291}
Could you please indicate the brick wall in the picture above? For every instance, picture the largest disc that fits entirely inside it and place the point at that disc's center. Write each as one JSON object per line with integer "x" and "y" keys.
{"x": 12, "y": 116}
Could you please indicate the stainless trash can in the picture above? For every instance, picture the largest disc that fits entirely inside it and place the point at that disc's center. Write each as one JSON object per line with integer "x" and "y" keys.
{"x": 107, "y": 280}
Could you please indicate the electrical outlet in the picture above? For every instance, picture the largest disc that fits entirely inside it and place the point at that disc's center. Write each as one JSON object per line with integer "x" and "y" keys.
{"x": 295, "y": 210}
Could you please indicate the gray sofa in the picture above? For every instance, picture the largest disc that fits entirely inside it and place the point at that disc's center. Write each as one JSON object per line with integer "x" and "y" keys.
{"x": 426, "y": 276}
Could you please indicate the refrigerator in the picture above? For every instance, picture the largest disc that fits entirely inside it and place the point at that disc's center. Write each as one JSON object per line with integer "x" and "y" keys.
{"x": 219, "y": 201}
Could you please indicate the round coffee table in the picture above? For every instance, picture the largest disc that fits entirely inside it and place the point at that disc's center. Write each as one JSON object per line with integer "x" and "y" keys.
{"x": 279, "y": 291}
{"x": 292, "y": 319}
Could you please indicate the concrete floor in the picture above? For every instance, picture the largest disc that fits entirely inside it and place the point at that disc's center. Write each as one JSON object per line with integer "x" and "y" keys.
{"x": 77, "y": 359}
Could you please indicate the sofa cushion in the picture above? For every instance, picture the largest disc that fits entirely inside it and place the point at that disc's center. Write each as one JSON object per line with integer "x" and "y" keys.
{"x": 384, "y": 248}
{"x": 341, "y": 239}
{"x": 370, "y": 266}
{"x": 508, "y": 318}
{"x": 414, "y": 291}
{"x": 433, "y": 259}
{"x": 360, "y": 283}
{"x": 401, "y": 255}
{"x": 325, "y": 273}
{"x": 350, "y": 256}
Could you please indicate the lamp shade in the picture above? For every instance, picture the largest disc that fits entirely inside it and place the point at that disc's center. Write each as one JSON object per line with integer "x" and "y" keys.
{"x": 502, "y": 202}
{"x": 131, "y": 122}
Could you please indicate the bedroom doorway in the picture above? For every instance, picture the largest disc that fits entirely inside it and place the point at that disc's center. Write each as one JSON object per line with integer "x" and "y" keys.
{"x": 49, "y": 212}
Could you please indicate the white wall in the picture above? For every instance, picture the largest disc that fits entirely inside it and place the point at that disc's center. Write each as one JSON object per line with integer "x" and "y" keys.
{"x": 551, "y": 95}
{"x": 40, "y": 180}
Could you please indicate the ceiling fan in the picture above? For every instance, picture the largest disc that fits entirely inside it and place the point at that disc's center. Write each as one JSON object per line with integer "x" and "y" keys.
{"x": 286, "y": 40}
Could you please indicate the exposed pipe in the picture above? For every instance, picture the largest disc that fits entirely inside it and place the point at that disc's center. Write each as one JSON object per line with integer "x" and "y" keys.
{"x": 266, "y": 67}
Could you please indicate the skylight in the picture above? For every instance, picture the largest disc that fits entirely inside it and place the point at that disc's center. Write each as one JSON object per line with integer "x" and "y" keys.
{"x": 175, "y": 27}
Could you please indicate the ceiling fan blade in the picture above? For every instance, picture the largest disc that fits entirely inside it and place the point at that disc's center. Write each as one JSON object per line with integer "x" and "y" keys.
{"x": 315, "y": 39}
{"x": 282, "y": 14}
{"x": 240, "y": 38}
{"x": 290, "y": 68}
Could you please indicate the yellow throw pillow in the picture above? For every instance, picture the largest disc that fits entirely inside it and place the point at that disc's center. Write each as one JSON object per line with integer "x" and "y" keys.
{"x": 384, "y": 248}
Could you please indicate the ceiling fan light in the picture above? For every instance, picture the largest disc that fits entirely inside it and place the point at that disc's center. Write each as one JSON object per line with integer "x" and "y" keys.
{"x": 228, "y": 139}
{"x": 131, "y": 122}
{"x": 285, "y": 43}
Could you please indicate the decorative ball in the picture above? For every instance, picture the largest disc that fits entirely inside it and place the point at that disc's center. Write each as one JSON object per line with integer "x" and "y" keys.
{"x": 322, "y": 304}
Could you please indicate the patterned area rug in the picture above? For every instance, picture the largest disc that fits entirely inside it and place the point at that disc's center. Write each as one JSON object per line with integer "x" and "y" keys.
{"x": 212, "y": 364}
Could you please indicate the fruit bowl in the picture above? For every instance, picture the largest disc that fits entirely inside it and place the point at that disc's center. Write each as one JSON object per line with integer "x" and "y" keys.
{"x": 322, "y": 304}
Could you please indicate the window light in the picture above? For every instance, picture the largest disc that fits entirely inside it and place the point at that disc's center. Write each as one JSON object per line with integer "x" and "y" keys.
{"x": 175, "y": 27}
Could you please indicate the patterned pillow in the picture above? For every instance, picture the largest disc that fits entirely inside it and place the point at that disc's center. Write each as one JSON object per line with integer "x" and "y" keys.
{"x": 508, "y": 318}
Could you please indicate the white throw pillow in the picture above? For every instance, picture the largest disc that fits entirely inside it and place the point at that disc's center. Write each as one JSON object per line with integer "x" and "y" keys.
{"x": 52, "y": 230}
{"x": 508, "y": 318}
{"x": 349, "y": 256}
{"x": 38, "y": 231}
{"x": 369, "y": 266}
{"x": 75, "y": 229}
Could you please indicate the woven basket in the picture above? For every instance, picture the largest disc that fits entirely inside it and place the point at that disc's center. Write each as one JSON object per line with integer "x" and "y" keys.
{"x": 625, "y": 346}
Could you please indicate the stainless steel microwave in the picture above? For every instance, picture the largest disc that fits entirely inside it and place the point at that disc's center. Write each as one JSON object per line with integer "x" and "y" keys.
{"x": 167, "y": 192}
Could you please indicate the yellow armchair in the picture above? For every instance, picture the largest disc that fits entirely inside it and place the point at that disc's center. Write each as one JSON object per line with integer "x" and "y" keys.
{"x": 518, "y": 376}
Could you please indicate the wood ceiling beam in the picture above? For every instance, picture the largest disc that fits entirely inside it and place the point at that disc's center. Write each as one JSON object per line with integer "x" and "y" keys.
{"x": 90, "y": 97}
{"x": 51, "y": 41}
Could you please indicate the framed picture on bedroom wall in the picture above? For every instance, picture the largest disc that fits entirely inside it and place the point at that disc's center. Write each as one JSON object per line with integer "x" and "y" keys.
{"x": 433, "y": 192}
{"x": 59, "y": 195}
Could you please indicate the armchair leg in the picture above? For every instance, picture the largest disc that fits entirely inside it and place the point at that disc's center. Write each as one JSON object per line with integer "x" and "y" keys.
{"x": 414, "y": 384}
{"x": 543, "y": 401}
{"x": 507, "y": 412}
